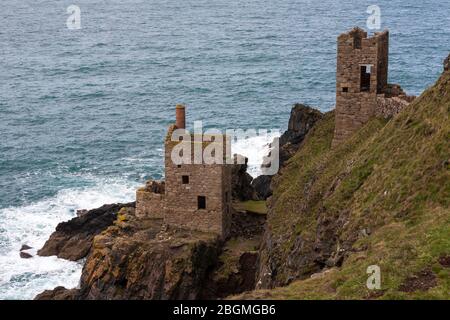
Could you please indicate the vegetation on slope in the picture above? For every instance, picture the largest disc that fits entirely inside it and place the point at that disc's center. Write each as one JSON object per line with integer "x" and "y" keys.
{"x": 382, "y": 198}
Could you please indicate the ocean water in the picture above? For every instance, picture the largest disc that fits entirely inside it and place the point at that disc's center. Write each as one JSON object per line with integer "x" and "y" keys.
{"x": 83, "y": 112}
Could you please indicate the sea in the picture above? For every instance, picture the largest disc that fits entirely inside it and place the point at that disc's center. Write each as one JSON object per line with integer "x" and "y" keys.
{"x": 89, "y": 87}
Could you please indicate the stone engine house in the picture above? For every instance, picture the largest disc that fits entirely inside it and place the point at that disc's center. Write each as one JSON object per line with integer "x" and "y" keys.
{"x": 193, "y": 196}
{"x": 362, "y": 88}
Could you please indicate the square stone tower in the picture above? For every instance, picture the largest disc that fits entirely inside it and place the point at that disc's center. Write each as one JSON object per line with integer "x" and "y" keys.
{"x": 197, "y": 195}
{"x": 362, "y": 74}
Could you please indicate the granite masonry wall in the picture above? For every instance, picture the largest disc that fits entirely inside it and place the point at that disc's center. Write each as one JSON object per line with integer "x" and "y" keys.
{"x": 362, "y": 88}
{"x": 185, "y": 183}
{"x": 150, "y": 200}
{"x": 356, "y": 101}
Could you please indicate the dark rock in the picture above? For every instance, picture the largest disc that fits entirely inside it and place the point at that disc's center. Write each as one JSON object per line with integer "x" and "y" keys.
{"x": 241, "y": 181}
{"x": 301, "y": 120}
{"x": 25, "y": 255}
{"x": 444, "y": 261}
{"x": 25, "y": 247}
{"x": 142, "y": 259}
{"x": 72, "y": 240}
{"x": 237, "y": 276}
{"x": 447, "y": 63}
{"x": 261, "y": 184}
{"x": 82, "y": 212}
{"x": 138, "y": 260}
{"x": 245, "y": 224}
{"x": 59, "y": 293}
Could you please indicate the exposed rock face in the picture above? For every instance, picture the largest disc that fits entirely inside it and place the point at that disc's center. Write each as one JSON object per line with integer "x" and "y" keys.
{"x": 140, "y": 258}
{"x": 237, "y": 265}
{"x": 241, "y": 181}
{"x": 147, "y": 265}
{"x": 302, "y": 119}
{"x": 235, "y": 275}
{"x": 25, "y": 247}
{"x": 59, "y": 293}
{"x": 247, "y": 225}
{"x": 72, "y": 240}
{"x": 262, "y": 186}
{"x": 447, "y": 63}
{"x": 25, "y": 255}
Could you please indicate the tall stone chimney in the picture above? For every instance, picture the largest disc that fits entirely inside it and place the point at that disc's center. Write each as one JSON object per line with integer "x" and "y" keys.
{"x": 180, "y": 117}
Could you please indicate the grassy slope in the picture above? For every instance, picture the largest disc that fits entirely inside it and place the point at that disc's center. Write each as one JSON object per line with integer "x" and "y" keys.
{"x": 392, "y": 179}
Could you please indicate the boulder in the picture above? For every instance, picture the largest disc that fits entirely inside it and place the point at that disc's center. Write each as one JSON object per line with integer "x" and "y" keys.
{"x": 82, "y": 212}
{"x": 72, "y": 240}
{"x": 25, "y": 247}
{"x": 59, "y": 293}
{"x": 262, "y": 186}
{"x": 241, "y": 180}
{"x": 25, "y": 255}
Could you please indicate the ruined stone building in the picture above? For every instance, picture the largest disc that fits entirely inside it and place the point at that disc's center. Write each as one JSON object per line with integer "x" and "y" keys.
{"x": 362, "y": 88}
{"x": 193, "y": 196}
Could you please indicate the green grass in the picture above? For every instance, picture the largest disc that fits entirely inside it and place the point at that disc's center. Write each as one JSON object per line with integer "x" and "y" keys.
{"x": 254, "y": 206}
{"x": 392, "y": 178}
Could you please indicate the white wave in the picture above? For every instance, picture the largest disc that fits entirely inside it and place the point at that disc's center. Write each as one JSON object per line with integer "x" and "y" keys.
{"x": 32, "y": 225}
{"x": 255, "y": 149}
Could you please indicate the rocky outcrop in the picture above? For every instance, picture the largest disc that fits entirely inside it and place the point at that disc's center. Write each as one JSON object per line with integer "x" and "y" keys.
{"x": 236, "y": 267}
{"x": 140, "y": 258}
{"x": 72, "y": 240}
{"x": 25, "y": 255}
{"x": 447, "y": 63}
{"x": 241, "y": 180}
{"x": 262, "y": 187}
{"x": 59, "y": 293}
{"x": 25, "y": 247}
{"x": 301, "y": 120}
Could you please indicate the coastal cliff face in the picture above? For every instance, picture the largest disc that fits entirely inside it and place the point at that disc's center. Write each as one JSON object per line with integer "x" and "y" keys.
{"x": 139, "y": 258}
{"x": 135, "y": 259}
{"x": 301, "y": 121}
{"x": 380, "y": 198}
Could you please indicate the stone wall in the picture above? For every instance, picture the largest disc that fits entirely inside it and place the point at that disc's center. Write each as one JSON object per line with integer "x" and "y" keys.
{"x": 149, "y": 204}
{"x": 389, "y": 107}
{"x": 150, "y": 200}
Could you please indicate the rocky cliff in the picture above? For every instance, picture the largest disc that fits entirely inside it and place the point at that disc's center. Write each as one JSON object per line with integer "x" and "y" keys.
{"x": 139, "y": 258}
{"x": 301, "y": 120}
{"x": 381, "y": 198}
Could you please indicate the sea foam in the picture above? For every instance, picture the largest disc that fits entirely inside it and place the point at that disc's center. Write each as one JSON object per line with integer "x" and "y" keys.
{"x": 32, "y": 225}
